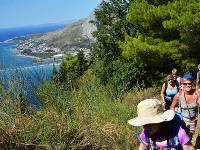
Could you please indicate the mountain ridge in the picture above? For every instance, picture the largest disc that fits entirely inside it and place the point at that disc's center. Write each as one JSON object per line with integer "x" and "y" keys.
{"x": 74, "y": 36}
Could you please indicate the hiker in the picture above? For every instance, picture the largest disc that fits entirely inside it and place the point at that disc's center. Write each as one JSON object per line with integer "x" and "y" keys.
{"x": 168, "y": 91}
{"x": 161, "y": 130}
{"x": 188, "y": 103}
{"x": 198, "y": 78}
{"x": 176, "y": 78}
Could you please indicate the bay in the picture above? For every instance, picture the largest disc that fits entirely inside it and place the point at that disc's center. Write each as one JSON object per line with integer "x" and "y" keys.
{"x": 22, "y": 72}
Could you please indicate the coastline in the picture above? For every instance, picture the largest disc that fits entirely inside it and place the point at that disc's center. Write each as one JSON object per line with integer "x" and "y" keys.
{"x": 35, "y": 58}
{"x": 17, "y": 50}
{"x": 40, "y": 60}
{"x": 29, "y": 56}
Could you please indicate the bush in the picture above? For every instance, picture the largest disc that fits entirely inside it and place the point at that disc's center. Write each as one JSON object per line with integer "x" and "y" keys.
{"x": 87, "y": 117}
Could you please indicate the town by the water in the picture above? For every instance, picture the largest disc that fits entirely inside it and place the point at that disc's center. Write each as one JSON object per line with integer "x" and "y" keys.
{"x": 30, "y": 47}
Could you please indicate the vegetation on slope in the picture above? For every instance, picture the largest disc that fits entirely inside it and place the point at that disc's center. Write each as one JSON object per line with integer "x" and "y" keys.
{"x": 87, "y": 106}
{"x": 71, "y": 37}
{"x": 83, "y": 118}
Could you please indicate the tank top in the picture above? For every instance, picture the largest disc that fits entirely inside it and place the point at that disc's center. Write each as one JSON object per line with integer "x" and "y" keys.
{"x": 188, "y": 111}
{"x": 170, "y": 93}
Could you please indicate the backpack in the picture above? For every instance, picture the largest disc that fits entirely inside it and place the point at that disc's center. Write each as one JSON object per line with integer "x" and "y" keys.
{"x": 172, "y": 139}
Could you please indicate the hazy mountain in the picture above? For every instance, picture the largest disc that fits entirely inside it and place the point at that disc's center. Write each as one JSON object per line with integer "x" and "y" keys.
{"x": 16, "y": 32}
{"x": 88, "y": 27}
{"x": 75, "y": 35}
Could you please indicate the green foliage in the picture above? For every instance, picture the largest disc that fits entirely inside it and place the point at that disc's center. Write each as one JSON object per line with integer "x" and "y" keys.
{"x": 126, "y": 75}
{"x": 156, "y": 52}
{"x": 189, "y": 67}
{"x": 72, "y": 67}
{"x": 108, "y": 63}
{"x": 136, "y": 42}
{"x": 55, "y": 74}
{"x": 67, "y": 68}
{"x": 85, "y": 118}
{"x": 168, "y": 33}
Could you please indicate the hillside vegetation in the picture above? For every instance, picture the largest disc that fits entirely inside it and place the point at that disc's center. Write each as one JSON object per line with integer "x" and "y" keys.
{"x": 87, "y": 103}
{"x": 73, "y": 36}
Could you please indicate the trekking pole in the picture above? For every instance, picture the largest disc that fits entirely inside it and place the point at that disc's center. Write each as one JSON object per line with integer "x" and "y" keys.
{"x": 136, "y": 133}
{"x": 196, "y": 137}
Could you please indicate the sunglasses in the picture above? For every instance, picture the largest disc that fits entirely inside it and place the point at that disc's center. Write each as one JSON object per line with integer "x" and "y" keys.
{"x": 170, "y": 80}
{"x": 187, "y": 83}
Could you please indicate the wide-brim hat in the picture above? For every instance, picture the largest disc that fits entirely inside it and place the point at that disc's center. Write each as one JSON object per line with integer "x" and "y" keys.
{"x": 150, "y": 111}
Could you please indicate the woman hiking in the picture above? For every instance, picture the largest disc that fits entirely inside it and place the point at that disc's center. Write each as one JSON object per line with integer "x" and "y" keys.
{"x": 176, "y": 78}
{"x": 168, "y": 91}
{"x": 188, "y": 103}
{"x": 161, "y": 130}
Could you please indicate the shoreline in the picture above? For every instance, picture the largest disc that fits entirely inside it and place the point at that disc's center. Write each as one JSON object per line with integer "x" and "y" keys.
{"x": 29, "y": 56}
{"x": 40, "y": 60}
{"x": 36, "y": 59}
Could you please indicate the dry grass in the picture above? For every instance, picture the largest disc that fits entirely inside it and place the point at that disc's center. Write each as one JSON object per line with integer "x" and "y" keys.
{"x": 86, "y": 118}
{"x": 136, "y": 95}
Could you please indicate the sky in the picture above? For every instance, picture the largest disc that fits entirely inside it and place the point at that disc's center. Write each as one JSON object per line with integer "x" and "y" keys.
{"x": 17, "y": 13}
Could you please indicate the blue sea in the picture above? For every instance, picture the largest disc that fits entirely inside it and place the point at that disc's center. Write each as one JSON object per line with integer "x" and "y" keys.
{"x": 21, "y": 70}
{"x": 9, "y": 33}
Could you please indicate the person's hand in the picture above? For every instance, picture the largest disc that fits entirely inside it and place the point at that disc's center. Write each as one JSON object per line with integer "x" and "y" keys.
{"x": 176, "y": 109}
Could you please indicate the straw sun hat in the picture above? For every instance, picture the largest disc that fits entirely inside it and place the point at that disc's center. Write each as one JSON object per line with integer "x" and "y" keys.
{"x": 150, "y": 111}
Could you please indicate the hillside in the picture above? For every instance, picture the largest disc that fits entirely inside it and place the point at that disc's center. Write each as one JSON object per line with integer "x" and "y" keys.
{"x": 71, "y": 37}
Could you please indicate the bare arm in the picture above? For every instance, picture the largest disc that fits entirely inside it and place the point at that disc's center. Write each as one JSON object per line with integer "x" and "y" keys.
{"x": 175, "y": 101}
{"x": 162, "y": 92}
{"x": 142, "y": 147}
{"x": 197, "y": 81}
{"x": 188, "y": 147}
{"x": 197, "y": 92}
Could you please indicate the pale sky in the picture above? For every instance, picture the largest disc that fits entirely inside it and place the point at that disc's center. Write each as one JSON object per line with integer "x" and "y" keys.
{"x": 16, "y": 13}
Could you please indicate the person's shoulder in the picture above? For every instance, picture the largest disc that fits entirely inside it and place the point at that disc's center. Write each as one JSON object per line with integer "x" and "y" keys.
{"x": 179, "y": 77}
{"x": 179, "y": 93}
{"x": 178, "y": 121}
{"x": 196, "y": 92}
{"x": 143, "y": 137}
{"x": 164, "y": 84}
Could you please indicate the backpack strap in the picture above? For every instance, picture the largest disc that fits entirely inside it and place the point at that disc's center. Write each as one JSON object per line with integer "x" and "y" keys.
{"x": 151, "y": 145}
{"x": 196, "y": 100}
{"x": 182, "y": 97}
{"x": 177, "y": 85}
{"x": 173, "y": 139}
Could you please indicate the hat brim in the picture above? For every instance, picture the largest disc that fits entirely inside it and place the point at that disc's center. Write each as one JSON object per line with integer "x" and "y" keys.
{"x": 140, "y": 121}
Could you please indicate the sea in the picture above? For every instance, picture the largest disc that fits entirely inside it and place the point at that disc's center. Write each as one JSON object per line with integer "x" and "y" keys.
{"x": 19, "y": 72}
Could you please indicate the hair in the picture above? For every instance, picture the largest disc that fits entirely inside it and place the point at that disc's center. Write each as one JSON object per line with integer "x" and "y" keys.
{"x": 174, "y": 71}
{"x": 199, "y": 66}
{"x": 192, "y": 80}
{"x": 170, "y": 77}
